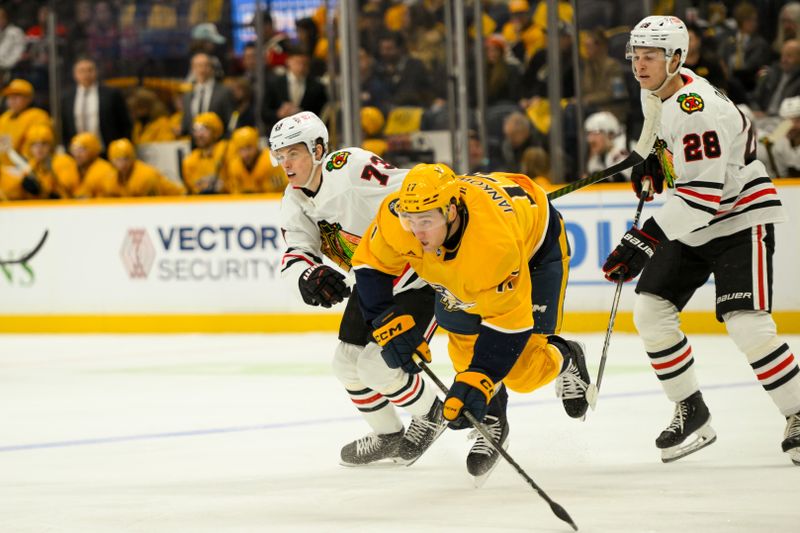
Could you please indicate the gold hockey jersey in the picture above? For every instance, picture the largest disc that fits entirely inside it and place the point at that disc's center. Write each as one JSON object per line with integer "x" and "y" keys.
{"x": 487, "y": 274}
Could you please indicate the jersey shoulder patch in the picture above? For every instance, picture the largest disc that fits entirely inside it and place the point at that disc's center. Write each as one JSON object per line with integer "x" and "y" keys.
{"x": 337, "y": 160}
{"x": 691, "y": 103}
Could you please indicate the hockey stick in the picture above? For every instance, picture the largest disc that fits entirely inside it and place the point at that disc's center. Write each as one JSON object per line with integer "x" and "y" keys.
{"x": 652, "y": 119}
{"x": 27, "y": 257}
{"x": 594, "y": 389}
{"x": 559, "y": 511}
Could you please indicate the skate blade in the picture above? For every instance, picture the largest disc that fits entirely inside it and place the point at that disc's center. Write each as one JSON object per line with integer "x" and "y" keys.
{"x": 703, "y": 437}
{"x": 381, "y": 464}
{"x": 591, "y": 397}
{"x": 479, "y": 481}
{"x": 794, "y": 455}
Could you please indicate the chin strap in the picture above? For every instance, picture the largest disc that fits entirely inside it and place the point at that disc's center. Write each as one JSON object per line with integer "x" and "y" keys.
{"x": 314, "y": 166}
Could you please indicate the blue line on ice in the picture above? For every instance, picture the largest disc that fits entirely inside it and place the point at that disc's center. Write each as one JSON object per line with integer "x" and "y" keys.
{"x": 301, "y": 423}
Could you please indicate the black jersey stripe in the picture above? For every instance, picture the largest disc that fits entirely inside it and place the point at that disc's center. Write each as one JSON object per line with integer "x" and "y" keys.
{"x": 701, "y": 183}
{"x": 695, "y": 205}
{"x": 751, "y": 207}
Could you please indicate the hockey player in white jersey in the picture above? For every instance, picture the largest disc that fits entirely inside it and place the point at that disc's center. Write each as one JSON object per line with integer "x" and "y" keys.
{"x": 330, "y": 202}
{"x": 718, "y": 218}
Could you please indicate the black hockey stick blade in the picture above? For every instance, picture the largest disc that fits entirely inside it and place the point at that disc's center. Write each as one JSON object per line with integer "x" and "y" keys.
{"x": 652, "y": 119}
{"x": 27, "y": 257}
{"x": 559, "y": 511}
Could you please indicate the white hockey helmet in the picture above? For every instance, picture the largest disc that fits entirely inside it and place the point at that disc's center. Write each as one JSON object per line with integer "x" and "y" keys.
{"x": 603, "y": 122}
{"x": 304, "y": 127}
{"x": 667, "y": 33}
{"x": 790, "y": 108}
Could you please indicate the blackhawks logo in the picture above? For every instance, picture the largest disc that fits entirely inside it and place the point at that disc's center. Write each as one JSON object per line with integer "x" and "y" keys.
{"x": 691, "y": 102}
{"x": 337, "y": 161}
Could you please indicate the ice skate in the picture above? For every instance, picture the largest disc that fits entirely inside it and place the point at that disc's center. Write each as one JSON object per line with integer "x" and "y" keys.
{"x": 572, "y": 383}
{"x": 483, "y": 458}
{"x": 691, "y": 419}
{"x": 372, "y": 449}
{"x": 791, "y": 438}
{"x": 422, "y": 432}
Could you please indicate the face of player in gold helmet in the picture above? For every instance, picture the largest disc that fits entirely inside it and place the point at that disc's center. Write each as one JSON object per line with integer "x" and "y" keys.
{"x": 429, "y": 227}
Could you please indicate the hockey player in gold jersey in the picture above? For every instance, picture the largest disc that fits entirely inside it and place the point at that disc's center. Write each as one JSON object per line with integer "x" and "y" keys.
{"x": 250, "y": 170}
{"x": 497, "y": 254}
{"x": 204, "y": 168}
{"x": 135, "y": 177}
{"x": 46, "y": 175}
{"x": 85, "y": 148}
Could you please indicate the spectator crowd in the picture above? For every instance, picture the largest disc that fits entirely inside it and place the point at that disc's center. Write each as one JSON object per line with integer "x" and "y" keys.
{"x": 141, "y": 72}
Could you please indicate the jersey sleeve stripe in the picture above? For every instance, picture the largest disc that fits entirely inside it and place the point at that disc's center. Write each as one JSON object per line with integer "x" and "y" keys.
{"x": 290, "y": 259}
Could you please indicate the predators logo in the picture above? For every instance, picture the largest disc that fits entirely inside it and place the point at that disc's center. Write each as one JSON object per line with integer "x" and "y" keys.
{"x": 337, "y": 245}
{"x": 691, "y": 102}
{"x": 337, "y": 161}
{"x": 449, "y": 300}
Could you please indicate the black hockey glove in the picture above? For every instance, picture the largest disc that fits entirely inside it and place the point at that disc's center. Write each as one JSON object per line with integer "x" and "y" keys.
{"x": 401, "y": 340}
{"x": 649, "y": 170}
{"x": 31, "y": 185}
{"x": 322, "y": 285}
{"x": 471, "y": 391}
{"x": 632, "y": 253}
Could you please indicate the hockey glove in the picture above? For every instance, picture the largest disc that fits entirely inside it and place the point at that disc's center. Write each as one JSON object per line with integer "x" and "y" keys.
{"x": 401, "y": 340}
{"x": 471, "y": 391}
{"x": 632, "y": 253}
{"x": 649, "y": 170}
{"x": 322, "y": 285}
{"x": 31, "y": 185}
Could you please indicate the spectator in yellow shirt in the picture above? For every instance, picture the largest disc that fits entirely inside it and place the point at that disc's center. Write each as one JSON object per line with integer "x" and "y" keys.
{"x": 151, "y": 122}
{"x": 46, "y": 175}
{"x": 19, "y": 117}
{"x": 250, "y": 170}
{"x": 204, "y": 169}
{"x": 95, "y": 171}
{"x": 137, "y": 178}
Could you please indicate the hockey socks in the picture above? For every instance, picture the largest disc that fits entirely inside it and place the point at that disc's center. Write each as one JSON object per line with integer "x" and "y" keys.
{"x": 778, "y": 373}
{"x": 674, "y": 369}
{"x": 376, "y": 410}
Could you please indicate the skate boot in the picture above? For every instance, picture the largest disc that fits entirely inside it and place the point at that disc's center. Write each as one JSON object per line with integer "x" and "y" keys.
{"x": 691, "y": 418}
{"x": 572, "y": 383}
{"x": 421, "y": 433}
{"x": 483, "y": 458}
{"x": 372, "y": 448}
{"x": 791, "y": 438}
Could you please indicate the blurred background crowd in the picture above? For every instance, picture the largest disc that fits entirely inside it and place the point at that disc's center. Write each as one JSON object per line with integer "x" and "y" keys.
{"x": 138, "y": 79}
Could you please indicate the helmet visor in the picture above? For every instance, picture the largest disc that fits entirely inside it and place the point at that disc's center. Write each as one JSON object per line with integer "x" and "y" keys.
{"x": 422, "y": 222}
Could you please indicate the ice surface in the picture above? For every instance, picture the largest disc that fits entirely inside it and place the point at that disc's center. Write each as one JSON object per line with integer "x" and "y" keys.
{"x": 231, "y": 433}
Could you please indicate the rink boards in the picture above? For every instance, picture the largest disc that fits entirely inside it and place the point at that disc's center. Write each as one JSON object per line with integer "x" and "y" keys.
{"x": 211, "y": 264}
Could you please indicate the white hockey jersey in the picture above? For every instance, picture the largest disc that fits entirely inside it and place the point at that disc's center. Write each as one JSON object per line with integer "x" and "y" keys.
{"x": 331, "y": 222}
{"x": 708, "y": 151}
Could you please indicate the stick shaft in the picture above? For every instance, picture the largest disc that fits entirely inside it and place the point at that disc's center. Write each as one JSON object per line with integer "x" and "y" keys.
{"x": 557, "y": 509}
